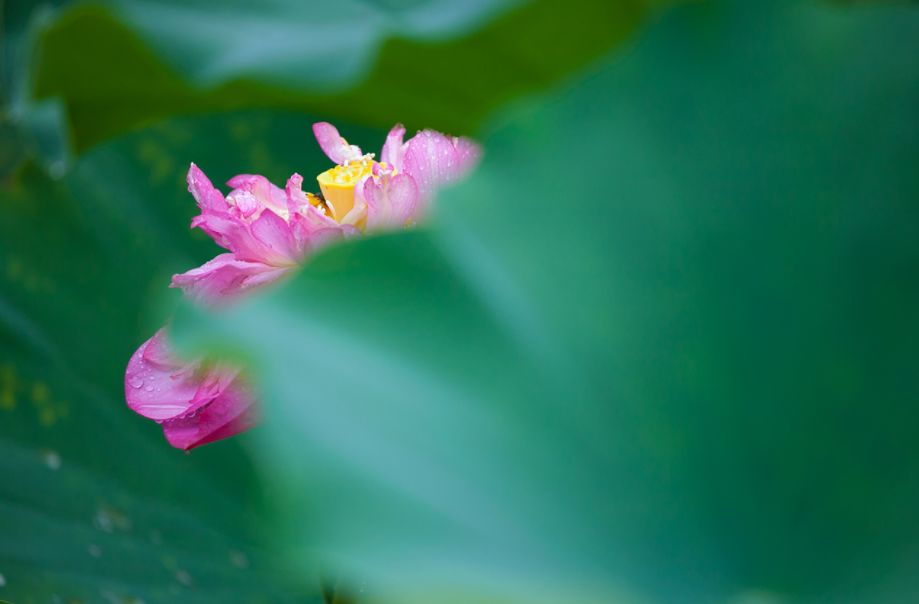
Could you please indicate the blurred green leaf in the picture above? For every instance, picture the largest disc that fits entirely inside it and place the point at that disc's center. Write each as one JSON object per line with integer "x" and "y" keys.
{"x": 27, "y": 128}
{"x": 660, "y": 348}
{"x": 431, "y": 63}
{"x": 94, "y": 504}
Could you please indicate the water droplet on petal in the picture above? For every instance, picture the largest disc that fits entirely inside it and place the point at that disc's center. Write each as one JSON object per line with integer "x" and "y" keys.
{"x": 148, "y": 388}
{"x": 136, "y": 382}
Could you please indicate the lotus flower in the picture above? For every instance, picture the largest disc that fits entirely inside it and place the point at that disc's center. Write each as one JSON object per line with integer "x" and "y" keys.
{"x": 268, "y": 231}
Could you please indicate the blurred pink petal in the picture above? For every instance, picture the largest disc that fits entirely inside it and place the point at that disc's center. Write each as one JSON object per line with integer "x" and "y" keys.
{"x": 434, "y": 159}
{"x": 333, "y": 145}
{"x": 468, "y": 154}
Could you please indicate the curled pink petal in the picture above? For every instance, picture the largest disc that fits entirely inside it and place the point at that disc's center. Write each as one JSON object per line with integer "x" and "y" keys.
{"x": 267, "y": 239}
{"x": 195, "y": 403}
{"x": 215, "y": 219}
{"x": 250, "y": 222}
{"x": 264, "y": 192}
{"x": 245, "y": 202}
{"x": 208, "y": 198}
{"x": 229, "y": 413}
{"x": 391, "y": 201}
{"x": 314, "y": 229}
{"x": 394, "y": 148}
{"x": 276, "y": 241}
{"x": 296, "y": 198}
{"x": 156, "y": 385}
{"x": 434, "y": 159}
{"x": 333, "y": 145}
{"x": 225, "y": 277}
{"x": 299, "y": 205}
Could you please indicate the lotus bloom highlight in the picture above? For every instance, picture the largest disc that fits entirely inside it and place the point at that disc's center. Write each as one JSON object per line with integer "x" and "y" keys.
{"x": 267, "y": 231}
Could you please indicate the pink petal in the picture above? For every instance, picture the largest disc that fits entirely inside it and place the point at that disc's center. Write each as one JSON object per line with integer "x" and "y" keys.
{"x": 333, "y": 145}
{"x": 434, "y": 159}
{"x": 231, "y": 412}
{"x": 394, "y": 148}
{"x": 296, "y": 198}
{"x": 157, "y": 384}
{"x": 312, "y": 229}
{"x": 225, "y": 277}
{"x": 245, "y": 202}
{"x": 268, "y": 239}
{"x": 208, "y": 198}
{"x": 254, "y": 227}
{"x": 324, "y": 237}
{"x": 298, "y": 204}
{"x": 262, "y": 190}
{"x": 218, "y": 225}
{"x": 392, "y": 202}
{"x": 276, "y": 239}
{"x": 196, "y": 404}
{"x": 214, "y": 219}
{"x": 468, "y": 154}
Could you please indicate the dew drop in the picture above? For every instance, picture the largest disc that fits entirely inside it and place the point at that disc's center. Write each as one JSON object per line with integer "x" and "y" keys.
{"x": 148, "y": 388}
{"x": 183, "y": 577}
{"x": 136, "y": 382}
{"x": 108, "y": 518}
{"x": 239, "y": 559}
{"x": 57, "y": 169}
{"x": 52, "y": 459}
{"x": 103, "y": 521}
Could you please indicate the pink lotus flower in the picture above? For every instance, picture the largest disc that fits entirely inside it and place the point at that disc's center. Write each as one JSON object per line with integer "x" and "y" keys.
{"x": 268, "y": 231}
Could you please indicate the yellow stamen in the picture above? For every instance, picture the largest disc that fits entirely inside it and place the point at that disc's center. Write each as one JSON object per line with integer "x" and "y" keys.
{"x": 337, "y": 185}
{"x": 317, "y": 203}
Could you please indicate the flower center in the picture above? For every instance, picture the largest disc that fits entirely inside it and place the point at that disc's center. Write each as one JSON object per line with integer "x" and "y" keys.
{"x": 318, "y": 202}
{"x": 337, "y": 185}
